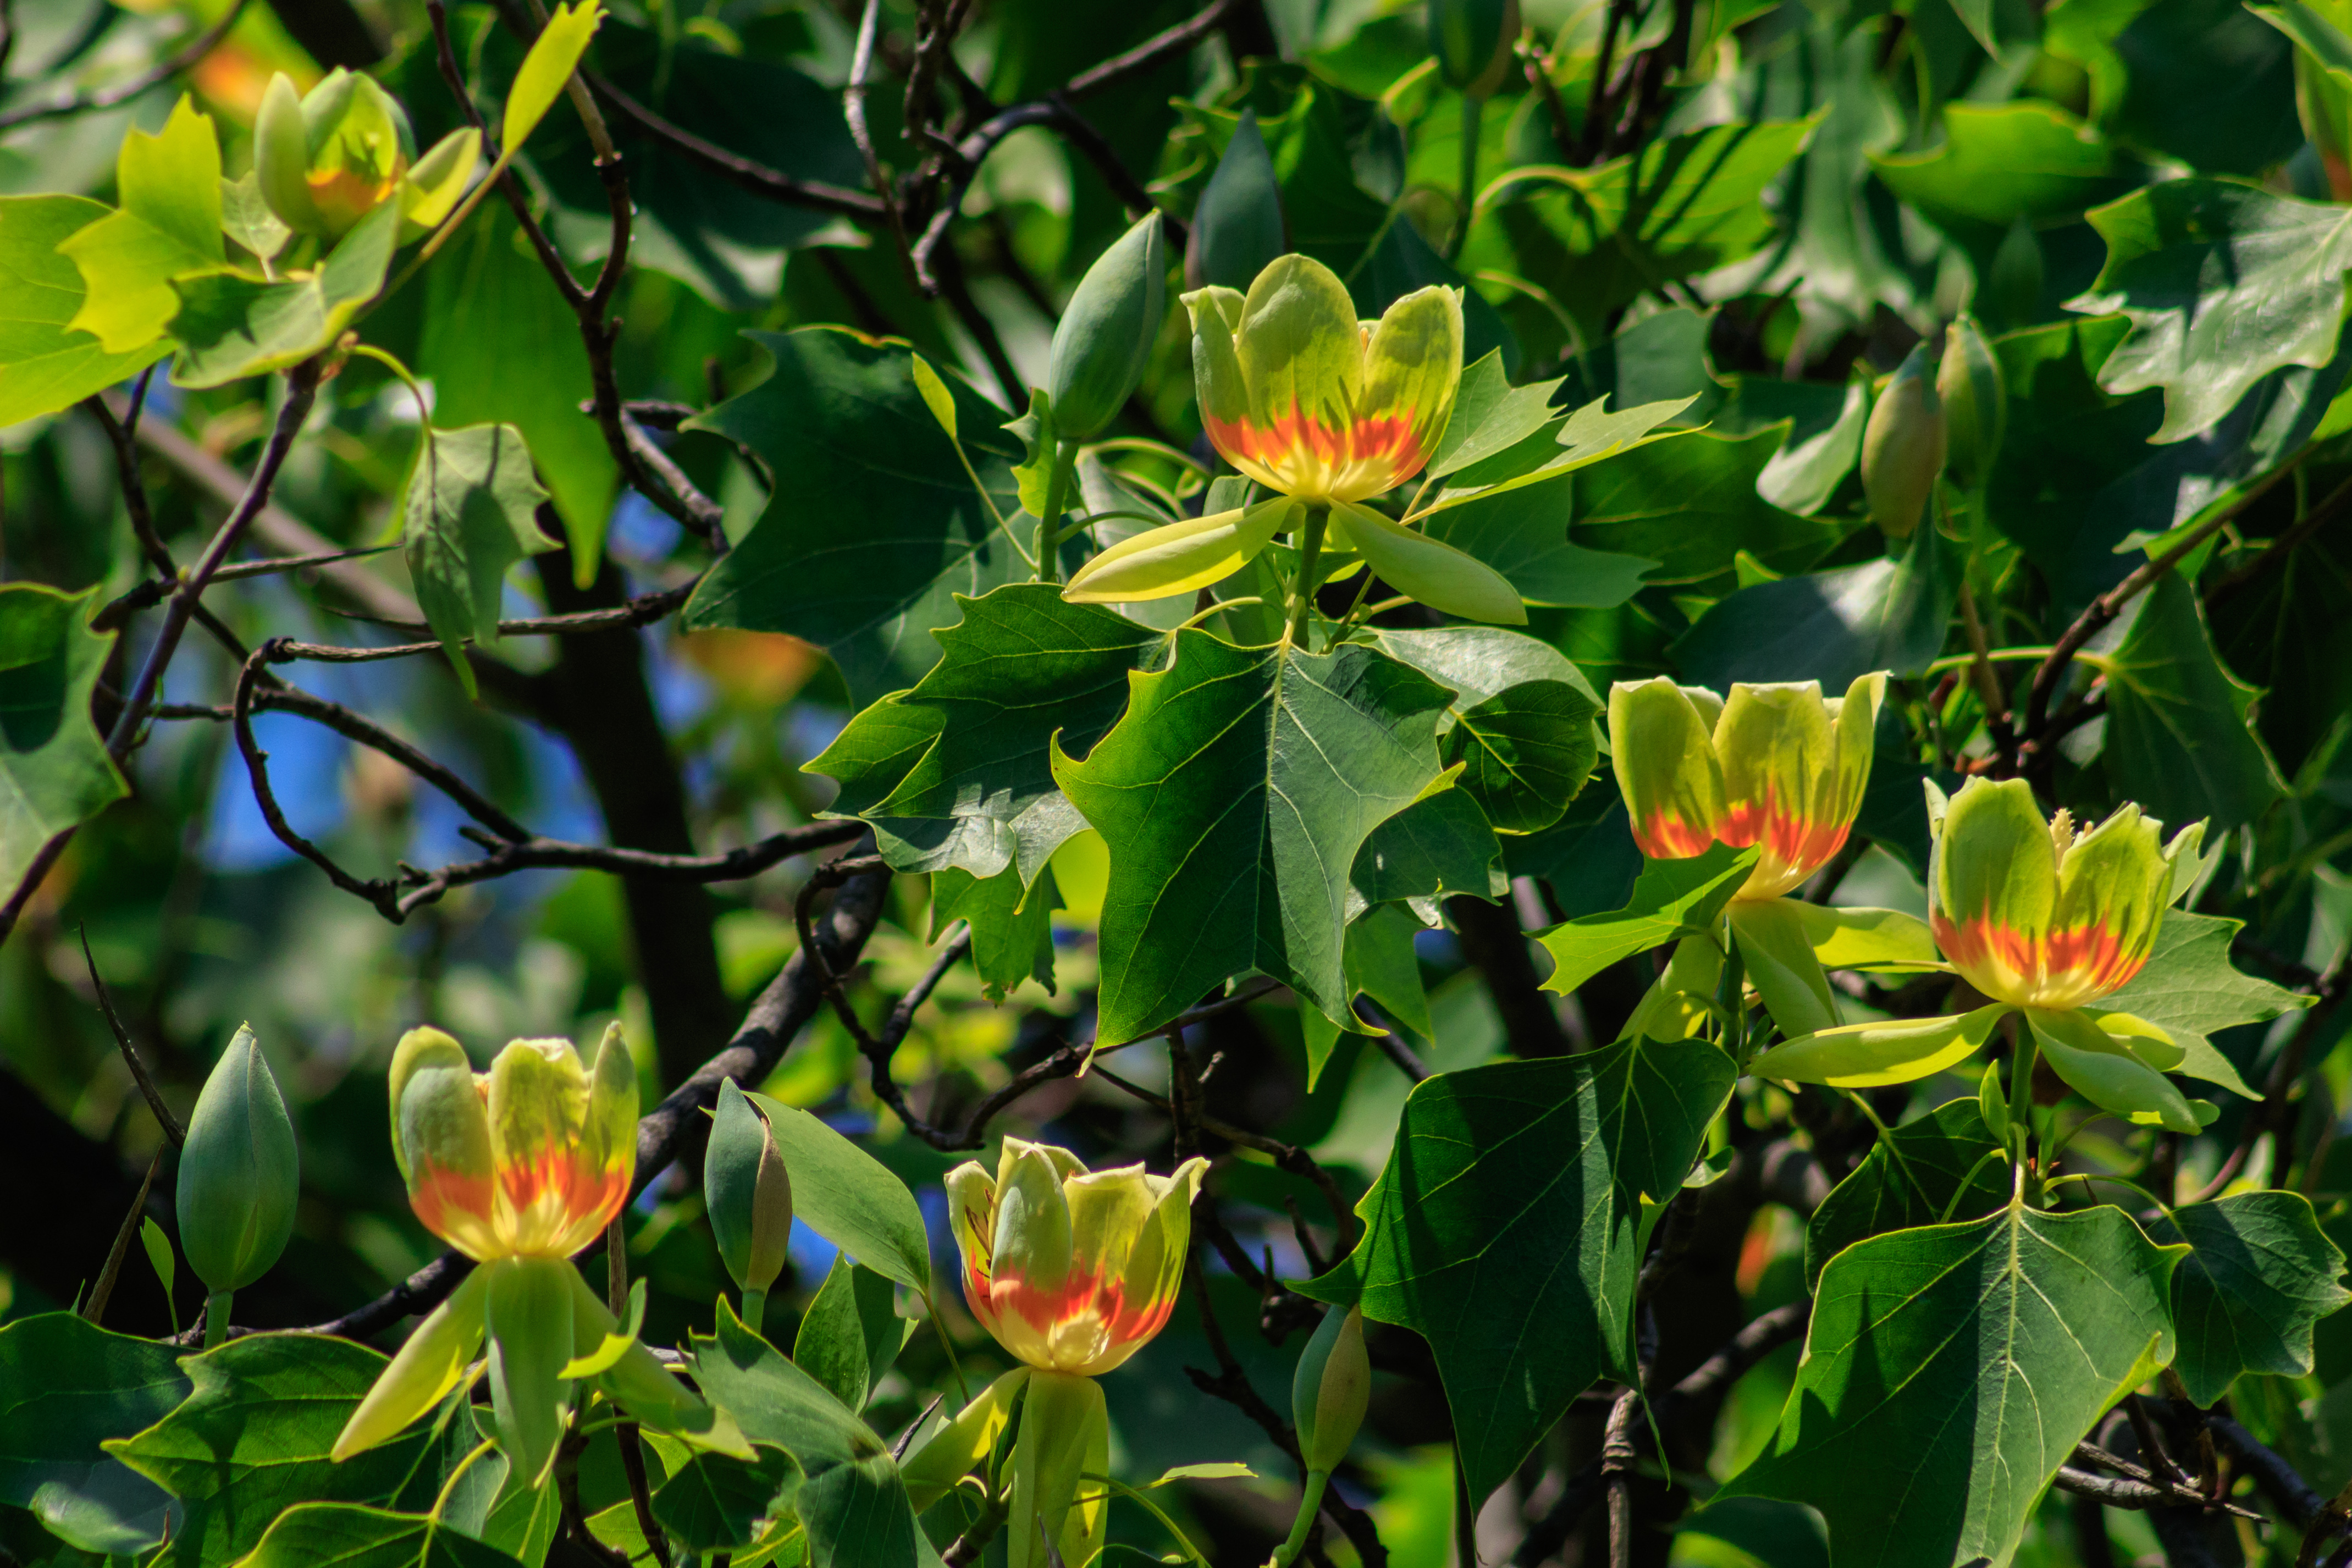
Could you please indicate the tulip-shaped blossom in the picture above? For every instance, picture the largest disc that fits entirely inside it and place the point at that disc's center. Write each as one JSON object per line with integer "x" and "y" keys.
{"x": 2039, "y": 913}
{"x": 1778, "y": 767}
{"x": 1073, "y": 1271}
{"x": 1327, "y": 411}
{"x": 518, "y": 1168}
{"x": 1781, "y": 768}
{"x": 2046, "y": 920}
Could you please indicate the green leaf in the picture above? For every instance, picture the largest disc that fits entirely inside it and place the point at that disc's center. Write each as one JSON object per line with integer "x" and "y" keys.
{"x": 1691, "y": 506}
{"x": 2259, "y": 1274}
{"x": 1439, "y": 846}
{"x": 469, "y": 513}
{"x": 66, "y": 1386}
{"x": 853, "y": 1502}
{"x": 714, "y": 1503}
{"x": 231, "y": 326}
{"x": 1526, "y": 751}
{"x": 252, "y": 1439}
{"x": 1671, "y": 898}
{"x": 46, "y": 364}
{"x": 875, "y": 527}
{"x": 2178, "y": 732}
{"x": 168, "y": 228}
{"x": 1823, "y": 443}
{"x": 1950, "y": 1371}
{"x": 2319, "y": 39}
{"x": 1234, "y": 795}
{"x": 1602, "y": 237}
{"x": 1910, "y": 1178}
{"x": 1506, "y": 1227}
{"x": 957, "y": 772}
{"x": 2190, "y": 989}
{"x": 54, "y": 770}
{"x": 693, "y": 223}
{"x": 2222, "y": 284}
{"x": 1382, "y": 964}
{"x": 851, "y": 1332}
{"x": 548, "y": 65}
{"x": 500, "y": 346}
{"x": 2002, "y": 163}
{"x": 1781, "y": 967}
{"x": 850, "y": 1198}
{"x": 1012, "y": 925}
{"x": 1480, "y": 662}
{"x": 1562, "y": 446}
{"x": 1522, "y": 534}
{"x": 1829, "y": 626}
{"x": 158, "y": 1247}
{"x": 1238, "y": 223}
{"x": 350, "y": 1536}
{"x": 1490, "y": 416}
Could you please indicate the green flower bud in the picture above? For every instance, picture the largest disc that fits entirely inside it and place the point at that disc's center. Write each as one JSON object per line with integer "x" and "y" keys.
{"x": 749, "y": 1192}
{"x": 239, "y": 1171}
{"x": 1333, "y": 1386}
{"x": 1471, "y": 40}
{"x": 327, "y": 160}
{"x": 1104, "y": 338}
{"x": 1976, "y": 404}
{"x": 1903, "y": 447}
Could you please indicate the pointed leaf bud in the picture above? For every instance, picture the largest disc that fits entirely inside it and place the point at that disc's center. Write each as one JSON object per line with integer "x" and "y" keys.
{"x": 1237, "y": 228}
{"x": 1104, "y": 338}
{"x": 239, "y": 1171}
{"x": 1976, "y": 404}
{"x": 747, "y": 1190}
{"x": 1903, "y": 447}
{"x": 1471, "y": 40}
{"x": 1331, "y": 1389}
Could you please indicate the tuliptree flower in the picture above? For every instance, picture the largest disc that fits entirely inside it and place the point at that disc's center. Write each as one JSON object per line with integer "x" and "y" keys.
{"x": 2046, "y": 920}
{"x": 1073, "y": 1271}
{"x": 1326, "y": 412}
{"x": 1778, "y": 767}
{"x": 1781, "y": 768}
{"x": 518, "y": 1168}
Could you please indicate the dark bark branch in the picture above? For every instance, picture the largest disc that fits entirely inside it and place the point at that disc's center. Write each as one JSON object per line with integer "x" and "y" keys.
{"x": 1494, "y": 942}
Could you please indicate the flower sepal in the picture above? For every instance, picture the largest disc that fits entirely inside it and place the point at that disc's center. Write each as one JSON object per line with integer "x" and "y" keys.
{"x": 958, "y": 1446}
{"x": 1872, "y": 1055}
{"x": 1430, "y": 570}
{"x": 2106, "y": 1060}
{"x": 1181, "y": 557}
{"x": 1064, "y": 1436}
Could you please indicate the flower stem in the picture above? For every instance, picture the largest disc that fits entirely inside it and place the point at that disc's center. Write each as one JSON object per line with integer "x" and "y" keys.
{"x": 1311, "y": 1503}
{"x": 1310, "y": 557}
{"x": 217, "y": 1306}
{"x": 1049, "y": 527}
{"x": 755, "y": 1309}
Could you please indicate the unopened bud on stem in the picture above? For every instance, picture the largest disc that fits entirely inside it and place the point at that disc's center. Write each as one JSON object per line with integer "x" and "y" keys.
{"x": 240, "y": 1173}
{"x": 749, "y": 1195}
{"x": 1903, "y": 447}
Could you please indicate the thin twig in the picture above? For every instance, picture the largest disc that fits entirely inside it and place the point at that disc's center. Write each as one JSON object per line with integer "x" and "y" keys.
{"x": 2104, "y": 609}
{"x": 139, "y": 1074}
{"x": 753, "y": 176}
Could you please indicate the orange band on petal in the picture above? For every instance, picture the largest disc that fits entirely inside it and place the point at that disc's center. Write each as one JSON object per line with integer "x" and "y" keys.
{"x": 2066, "y": 969}
{"x": 1669, "y": 837}
{"x": 1794, "y": 845}
{"x": 1301, "y": 454}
